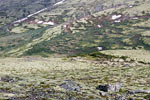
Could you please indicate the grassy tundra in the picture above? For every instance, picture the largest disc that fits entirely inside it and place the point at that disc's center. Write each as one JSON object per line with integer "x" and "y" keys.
{"x": 37, "y": 60}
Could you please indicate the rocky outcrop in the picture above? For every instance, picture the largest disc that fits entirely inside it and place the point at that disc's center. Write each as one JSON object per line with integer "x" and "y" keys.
{"x": 110, "y": 88}
{"x": 70, "y": 85}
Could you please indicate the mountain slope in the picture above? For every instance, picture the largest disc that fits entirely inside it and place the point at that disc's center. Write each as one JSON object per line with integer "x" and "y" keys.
{"x": 11, "y": 10}
{"x": 81, "y": 26}
{"x": 92, "y": 50}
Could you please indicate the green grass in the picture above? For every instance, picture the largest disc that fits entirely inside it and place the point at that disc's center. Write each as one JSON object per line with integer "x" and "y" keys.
{"x": 84, "y": 36}
{"x": 40, "y": 77}
{"x": 138, "y": 55}
{"x": 12, "y": 10}
{"x": 45, "y": 74}
{"x": 124, "y": 35}
{"x": 14, "y": 40}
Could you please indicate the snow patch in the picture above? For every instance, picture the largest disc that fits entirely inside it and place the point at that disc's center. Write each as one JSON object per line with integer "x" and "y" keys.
{"x": 58, "y": 3}
{"x": 65, "y": 26}
{"x": 114, "y": 17}
{"x": 40, "y": 22}
{"x": 117, "y": 21}
{"x": 99, "y": 26}
{"x": 130, "y": 6}
{"x": 21, "y": 20}
{"x": 99, "y": 48}
{"x": 49, "y": 23}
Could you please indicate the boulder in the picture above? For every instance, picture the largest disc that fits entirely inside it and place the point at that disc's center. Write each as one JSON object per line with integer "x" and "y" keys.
{"x": 115, "y": 88}
{"x": 120, "y": 98}
{"x": 70, "y": 85}
{"x": 110, "y": 88}
{"x": 7, "y": 79}
{"x": 104, "y": 88}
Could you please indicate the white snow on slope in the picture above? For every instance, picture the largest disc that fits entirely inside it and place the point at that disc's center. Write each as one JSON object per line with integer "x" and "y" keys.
{"x": 40, "y": 22}
{"x": 99, "y": 26}
{"x": 23, "y": 19}
{"x": 49, "y": 23}
{"x": 58, "y": 3}
{"x": 114, "y": 17}
{"x": 117, "y": 21}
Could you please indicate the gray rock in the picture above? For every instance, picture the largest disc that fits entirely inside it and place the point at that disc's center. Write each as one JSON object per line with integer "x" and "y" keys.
{"x": 110, "y": 88}
{"x": 126, "y": 65}
{"x": 120, "y": 98}
{"x": 115, "y": 88}
{"x": 70, "y": 85}
{"x": 103, "y": 94}
{"x": 103, "y": 88}
{"x": 7, "y": 79}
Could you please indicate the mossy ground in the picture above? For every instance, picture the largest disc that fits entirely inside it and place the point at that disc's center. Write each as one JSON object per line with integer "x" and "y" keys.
{"x": 36, "y": 77}
{"x": 138, "y": 55}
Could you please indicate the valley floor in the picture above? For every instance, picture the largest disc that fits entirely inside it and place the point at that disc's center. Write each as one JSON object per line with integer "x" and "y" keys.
{"x": 36, "y": 78}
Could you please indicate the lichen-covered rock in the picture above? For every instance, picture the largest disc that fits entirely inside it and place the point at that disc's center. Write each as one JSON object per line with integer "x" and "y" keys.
{"x": 70, "y": 85}
{"x": 7, "y": 79}
{"x": 110, "y": 88}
